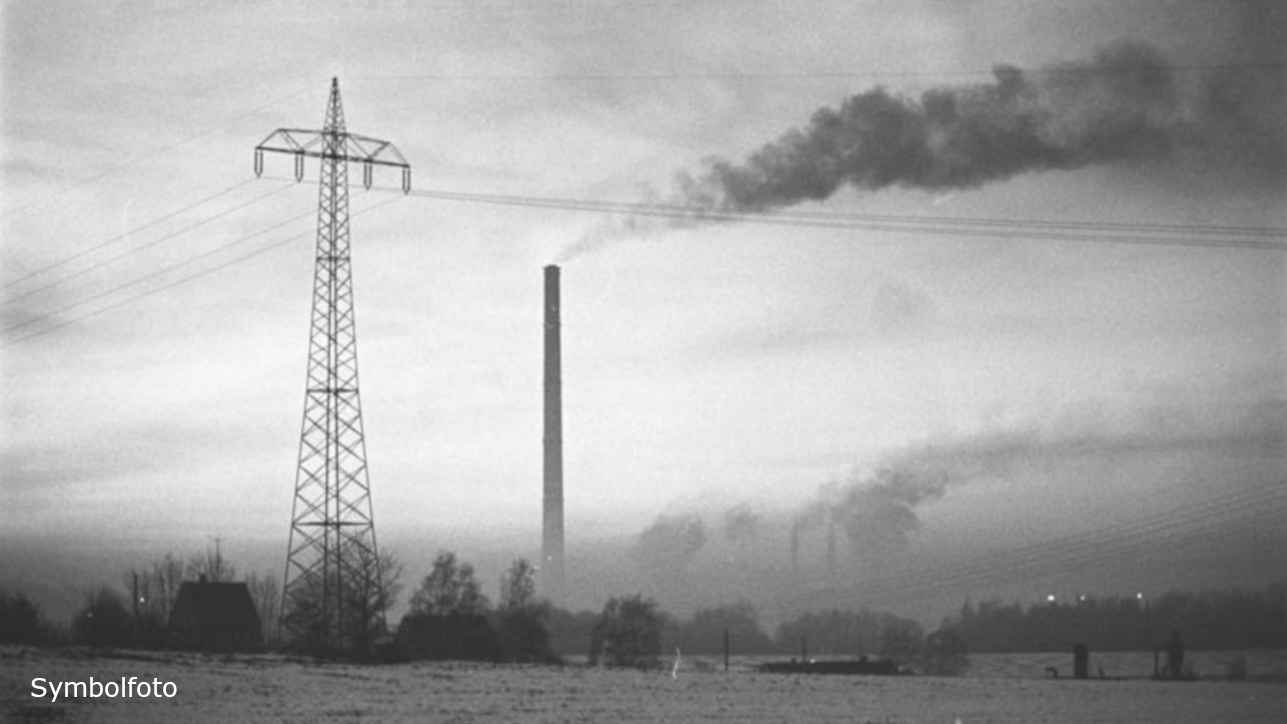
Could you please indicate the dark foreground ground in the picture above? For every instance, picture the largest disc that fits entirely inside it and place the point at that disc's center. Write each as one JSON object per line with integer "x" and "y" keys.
{"x": 268, "y": 688}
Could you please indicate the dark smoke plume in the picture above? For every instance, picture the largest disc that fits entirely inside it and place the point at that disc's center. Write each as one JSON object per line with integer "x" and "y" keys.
{"x": 877, "y": 514}
{"x": 1126, "y": 104}
{"x": 1121, "y": 105}
{"x": 670, "y": 543}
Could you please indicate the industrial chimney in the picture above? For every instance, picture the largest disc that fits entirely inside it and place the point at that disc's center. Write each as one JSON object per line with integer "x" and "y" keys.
{"x": 552, "y": 580}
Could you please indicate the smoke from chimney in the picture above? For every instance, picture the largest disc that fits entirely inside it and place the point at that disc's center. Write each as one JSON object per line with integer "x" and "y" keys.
{"x": 1125, "y": 104}
{"x": 1121, "y": 105}
{"x": 877, "y": 514}
{"x": 669, "y": 545}
{"x": 552, "y": 572}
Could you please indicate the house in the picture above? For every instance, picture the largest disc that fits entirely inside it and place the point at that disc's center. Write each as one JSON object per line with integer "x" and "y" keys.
{"x": 215, "y": 616}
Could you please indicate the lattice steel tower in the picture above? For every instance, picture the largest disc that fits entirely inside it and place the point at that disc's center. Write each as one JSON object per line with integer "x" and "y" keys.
{"x": 333, "y": 577}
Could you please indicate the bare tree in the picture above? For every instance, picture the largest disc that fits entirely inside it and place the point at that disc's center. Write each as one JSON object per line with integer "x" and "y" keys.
{"x": 368, "y": 588}
{"x": 152, "y": 589}
{"x": 167, "y": 576}
{"x": 211, "y": 564}
{"x": 266, "y": 594}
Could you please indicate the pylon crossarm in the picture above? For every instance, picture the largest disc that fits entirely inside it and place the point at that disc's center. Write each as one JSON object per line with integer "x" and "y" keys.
{"x": 375, "y": 147}
{"x": 354, "y": 148}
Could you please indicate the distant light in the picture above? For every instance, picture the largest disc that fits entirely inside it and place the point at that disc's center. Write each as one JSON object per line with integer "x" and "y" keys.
{"x": 1139, "y": 597}
{"x": 1082, "y": 598}
{"x": 1050, "y": 598}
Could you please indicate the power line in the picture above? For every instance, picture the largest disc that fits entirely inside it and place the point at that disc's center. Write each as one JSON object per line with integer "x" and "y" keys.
{"x": 1069, "y": 69}
{"x": 698, "y": 213}
{"x": 1098, "y": 544}
{"x": 1086, "y": 552}
{"x": 1068, "y": 549}
{"x": 118, "y": 237}
{"x": 150, "y": 244}
{"x": 1008, "y": 571}
{"x": 1078, "y": 550}
{"x": 1262, "y": 238}
{"x": 159, "y": 272}
{"x": 183, "y": 280}
{"x": 1138, "y": 233}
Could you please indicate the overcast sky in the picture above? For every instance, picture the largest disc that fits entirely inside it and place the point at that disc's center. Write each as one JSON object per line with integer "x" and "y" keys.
{"x": 1059, "y": 386}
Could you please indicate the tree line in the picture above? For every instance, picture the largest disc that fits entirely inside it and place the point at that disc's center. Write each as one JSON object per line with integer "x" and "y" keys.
{"x": 1213, "y": 620}
{"x": 450, "y": 617}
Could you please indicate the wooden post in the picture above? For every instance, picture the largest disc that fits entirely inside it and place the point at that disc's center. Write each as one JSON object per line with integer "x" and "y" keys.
{"x": 1081, "y": 661}
{"x": 135, "y": 625}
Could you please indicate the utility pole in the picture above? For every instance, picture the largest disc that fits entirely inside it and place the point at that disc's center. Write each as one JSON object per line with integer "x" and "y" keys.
{"x": 331, "y": 555}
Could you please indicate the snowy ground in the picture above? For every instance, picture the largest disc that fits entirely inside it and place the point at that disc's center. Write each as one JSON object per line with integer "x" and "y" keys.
{"x": 272, "y": 688}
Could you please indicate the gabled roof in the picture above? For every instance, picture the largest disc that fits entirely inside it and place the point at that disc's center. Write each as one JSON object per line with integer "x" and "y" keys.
{"x": 214, "y": 605}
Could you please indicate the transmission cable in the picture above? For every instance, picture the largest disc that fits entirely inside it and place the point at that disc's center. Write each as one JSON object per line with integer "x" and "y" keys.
{"x": 67, "y": 260}
{"x": 1081, "y": 549}
{"x": 183, "y": 280}
{"x": 1068, "y": 549}
{"x": 1055, "y": 69}
{"x": 152, "y": 275}
{"x": 1096, "y": 545}
{"x": 697, "y": 214}
{"x": 1262, "y": 238}
{"x": 134, "y": 250}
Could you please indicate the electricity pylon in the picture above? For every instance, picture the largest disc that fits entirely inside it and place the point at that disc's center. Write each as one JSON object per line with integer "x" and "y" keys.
{"x": 332, "y": 584}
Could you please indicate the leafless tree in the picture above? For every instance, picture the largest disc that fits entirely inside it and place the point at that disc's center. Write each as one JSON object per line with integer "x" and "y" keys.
{"x": 153, "y": 588}
{"x": 266, "y": 593}
{"x": 212, "y": 565}
{"x": 368, "y": 587}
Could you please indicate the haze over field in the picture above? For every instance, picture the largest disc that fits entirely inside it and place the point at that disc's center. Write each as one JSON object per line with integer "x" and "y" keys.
{"x": 896, "y": 305}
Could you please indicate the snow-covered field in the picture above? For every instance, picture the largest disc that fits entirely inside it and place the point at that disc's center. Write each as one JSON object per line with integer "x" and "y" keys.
{"x": 248, "y": 688}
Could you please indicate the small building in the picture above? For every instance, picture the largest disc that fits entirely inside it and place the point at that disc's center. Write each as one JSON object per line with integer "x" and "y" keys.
{"x": 215, "y": 616}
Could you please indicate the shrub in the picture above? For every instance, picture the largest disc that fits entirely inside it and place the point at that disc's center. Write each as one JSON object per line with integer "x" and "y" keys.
{"x": 457, "y": 636}
{"x": 104, "y": 621}
{"x": 945, "y": 653}
{"x": 628, "y": 633}
{"x": 20, "y": 620}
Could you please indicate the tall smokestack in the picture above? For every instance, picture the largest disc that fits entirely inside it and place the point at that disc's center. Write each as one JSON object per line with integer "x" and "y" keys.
{"x": 552, "y": 580}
